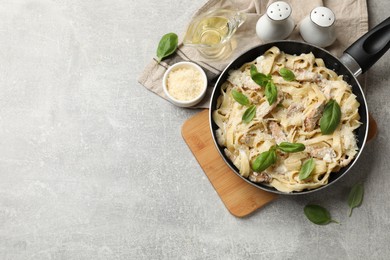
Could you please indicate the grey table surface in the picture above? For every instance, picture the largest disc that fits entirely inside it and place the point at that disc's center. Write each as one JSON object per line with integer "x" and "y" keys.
{"x": 93, "y": 165}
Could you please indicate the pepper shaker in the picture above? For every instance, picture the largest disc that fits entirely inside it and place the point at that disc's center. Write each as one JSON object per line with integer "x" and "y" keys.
{"x": 318, "y": 27}
{"x": 276, "y": 23}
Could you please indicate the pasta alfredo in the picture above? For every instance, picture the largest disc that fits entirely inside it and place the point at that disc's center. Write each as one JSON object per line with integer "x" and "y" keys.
{"x": 294, "y": 118}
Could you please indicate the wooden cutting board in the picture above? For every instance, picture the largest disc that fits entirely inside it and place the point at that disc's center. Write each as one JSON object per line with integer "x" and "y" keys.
{"x": 239, "y": 197}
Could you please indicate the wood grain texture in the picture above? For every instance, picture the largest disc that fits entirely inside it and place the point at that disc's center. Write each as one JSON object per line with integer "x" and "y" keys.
{"x": 372, "y": 129}
{"x": 239, "y": 197}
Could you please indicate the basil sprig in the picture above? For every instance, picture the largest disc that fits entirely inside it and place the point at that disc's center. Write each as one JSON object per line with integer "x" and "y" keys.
{"x": 264, "y": 160}
{"x": 330, "y": 118}
{"x": 249, "y": 114}
{"x": 317, "y": 214}
{"x": 268, "y": 158}
{"x": 240, "y": 98}
{"x": 287, "y": 74}
{"x": 166, "y": 46}
{"x": 306, "y": 169}
{"x": 260, "y": 78}
{"x": 271, "y": 92}
{"x": 355, "y": 197}
{"x": 291, "y": 147}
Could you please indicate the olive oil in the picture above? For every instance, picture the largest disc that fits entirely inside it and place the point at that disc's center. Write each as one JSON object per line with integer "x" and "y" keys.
{"x": 210, "y": 30}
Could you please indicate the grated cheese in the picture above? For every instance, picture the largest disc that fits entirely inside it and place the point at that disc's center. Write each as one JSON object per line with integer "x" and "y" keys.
{"x": 185, "y": 84}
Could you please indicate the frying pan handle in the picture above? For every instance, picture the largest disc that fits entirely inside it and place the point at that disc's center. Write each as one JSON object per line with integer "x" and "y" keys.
{"x": 370, "y": 47}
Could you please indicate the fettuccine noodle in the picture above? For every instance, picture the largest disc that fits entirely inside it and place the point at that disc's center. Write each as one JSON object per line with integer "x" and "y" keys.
{"x": 293, "y": 118}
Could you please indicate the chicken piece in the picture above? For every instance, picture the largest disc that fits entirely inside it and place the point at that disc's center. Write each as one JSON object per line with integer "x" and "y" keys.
{"x": 242, "y": 79}
{"x": 264, "y": 109}
{"x": 294, "y": 108}
{"x": 325, "y": 153}
{"x": 260, "y": 177}
{"x": 313, "y": 116}
{"x": 248, "y": 139}
{"x": 277, "y": 132}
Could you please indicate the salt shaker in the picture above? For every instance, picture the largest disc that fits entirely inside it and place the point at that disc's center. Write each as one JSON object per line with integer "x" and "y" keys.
{"x": 318, "y": 27}
{"x": 276, "y": 24}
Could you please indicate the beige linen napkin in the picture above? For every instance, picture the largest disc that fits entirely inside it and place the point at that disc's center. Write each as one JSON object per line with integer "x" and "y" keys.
{"x": 351, "y": 23}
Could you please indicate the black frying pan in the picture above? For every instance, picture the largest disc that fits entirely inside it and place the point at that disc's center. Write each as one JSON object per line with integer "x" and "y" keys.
{"x": 357, "y": 59}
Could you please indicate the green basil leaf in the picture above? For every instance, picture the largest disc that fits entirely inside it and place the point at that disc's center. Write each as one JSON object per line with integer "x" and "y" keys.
{"x": 264, "y": 160}
{"x": 306, "y": 169}
{"x": 249, "y": 114}
{"x": 317, "y": 214}
{"x": 271, "y": 92}
{"x": 291, "y": 147}
{"x": 330, "y": 118}
{"x": 167, "y": 46}
{"x": 355, "y": 197}
{"x": 260, "y": 78}
{"x": 253, "y": 70}
{"x": 240, "y": 98}
{"x": 287, "y": 74}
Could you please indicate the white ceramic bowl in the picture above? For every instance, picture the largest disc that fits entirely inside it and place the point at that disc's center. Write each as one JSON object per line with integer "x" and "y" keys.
{"x": 195, "y": 100}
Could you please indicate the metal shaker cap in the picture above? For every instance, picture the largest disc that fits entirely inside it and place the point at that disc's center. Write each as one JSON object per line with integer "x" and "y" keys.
{"x": 279, "y": 11}
{"x": 322, "y": 16}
